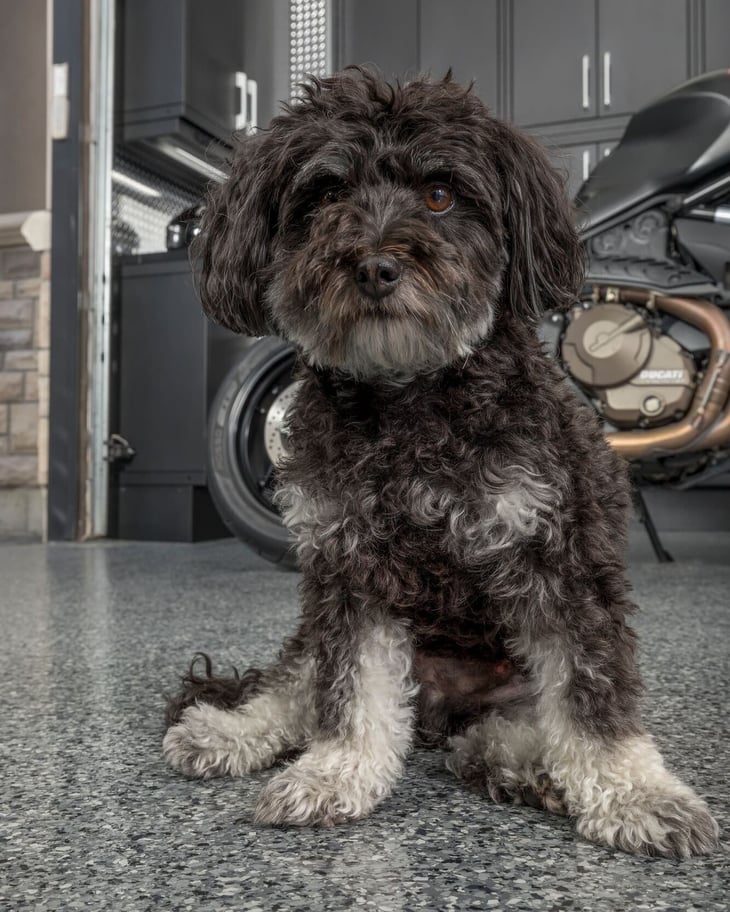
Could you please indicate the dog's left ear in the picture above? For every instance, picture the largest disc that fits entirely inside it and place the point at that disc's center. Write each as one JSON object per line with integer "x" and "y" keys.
{"x": 546, "y": 259}
{"x": 233, "y": 248}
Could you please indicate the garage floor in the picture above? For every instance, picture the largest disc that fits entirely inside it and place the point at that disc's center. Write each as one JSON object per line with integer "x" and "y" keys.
{"x": 90, "y": 818}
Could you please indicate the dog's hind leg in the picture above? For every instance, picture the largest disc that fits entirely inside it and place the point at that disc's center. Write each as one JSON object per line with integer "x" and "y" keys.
{"x": 365, "y": 728}
{"x": 598, "y": 753}
{"x": 503, "y": 756}
{"x": 210, "y": 737}
{"x": 581, "y": 750}
{"x": 595, "y": 752}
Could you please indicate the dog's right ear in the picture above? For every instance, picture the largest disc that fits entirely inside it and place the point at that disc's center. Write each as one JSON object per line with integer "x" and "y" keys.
{"x": 234, "y": 245}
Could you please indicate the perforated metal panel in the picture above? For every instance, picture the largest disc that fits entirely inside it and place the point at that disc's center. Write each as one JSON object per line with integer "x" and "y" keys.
{"x": 142, "y": 206}
{"x": 309, "y": 22}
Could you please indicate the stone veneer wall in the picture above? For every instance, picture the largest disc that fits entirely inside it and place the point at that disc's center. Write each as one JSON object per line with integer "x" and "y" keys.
{"x": 24, "y": 377}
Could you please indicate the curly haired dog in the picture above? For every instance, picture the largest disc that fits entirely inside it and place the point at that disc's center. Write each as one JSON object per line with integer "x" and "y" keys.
{"x": 460, "y": 520}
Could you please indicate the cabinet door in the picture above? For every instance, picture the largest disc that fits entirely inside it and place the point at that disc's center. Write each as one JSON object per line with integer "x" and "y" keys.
{"x": 266, "y": 54}
{"x": 643, "y": 51}
{"x": 161, "y": 373}
{"x": 553, "y": 60}
{"x": 717, "y": 35}
{"x": 213, "y": 54}
{"x": 575, "y": 163}
{"x": 380, "y": 32}
{"x": 606, "y": 148}
{"x": 461, "y": 35}
{"x": 179, "y": 60}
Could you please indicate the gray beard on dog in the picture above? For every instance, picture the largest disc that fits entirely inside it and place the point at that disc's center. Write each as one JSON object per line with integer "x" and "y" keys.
{"x": 389, "y": 347}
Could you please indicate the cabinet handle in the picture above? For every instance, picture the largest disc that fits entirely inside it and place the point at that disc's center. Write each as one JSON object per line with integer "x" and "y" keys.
{"x": 586, "y": 69}
{"x": 247, "y": 117}
{"x": 241, "y": 119}
{"x": 607, "y": 79}
{"x": 253, "y": 107}
{"x": 586, "y": 163}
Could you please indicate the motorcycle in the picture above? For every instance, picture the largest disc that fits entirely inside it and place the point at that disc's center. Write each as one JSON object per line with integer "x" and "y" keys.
{"x": 647, "y": 345}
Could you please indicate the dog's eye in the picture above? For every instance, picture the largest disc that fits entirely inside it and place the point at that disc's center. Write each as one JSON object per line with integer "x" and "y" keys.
{"x": 439, "y": 198}
{"x": 329, "y": 196}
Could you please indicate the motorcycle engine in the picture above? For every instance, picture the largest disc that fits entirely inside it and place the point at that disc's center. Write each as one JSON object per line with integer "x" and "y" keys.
{"x": 635, "y": 375}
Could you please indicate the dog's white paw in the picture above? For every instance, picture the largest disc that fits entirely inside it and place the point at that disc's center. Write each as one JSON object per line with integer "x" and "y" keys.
{"x": 215, "y": 742}
{"x": 652, "y": 821}
{"x": 304, "y": 796}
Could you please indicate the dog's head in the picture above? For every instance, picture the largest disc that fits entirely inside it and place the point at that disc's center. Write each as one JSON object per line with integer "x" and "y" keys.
{"x": 383, "y": 229}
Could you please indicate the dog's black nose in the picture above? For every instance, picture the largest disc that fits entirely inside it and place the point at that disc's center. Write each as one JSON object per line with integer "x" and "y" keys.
{"x": 377, "y": 276}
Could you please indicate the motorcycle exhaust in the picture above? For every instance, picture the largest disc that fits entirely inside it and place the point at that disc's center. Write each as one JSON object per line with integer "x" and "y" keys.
{"x": 707, "y": 422}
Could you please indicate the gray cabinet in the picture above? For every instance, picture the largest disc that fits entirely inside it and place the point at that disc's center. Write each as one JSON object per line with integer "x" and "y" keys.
{"x": 642, "y": 52}
{"x": 382, "y": 32}
{"x": 553, "y": 61}
{"x": 716, "y": 33}
{"x": 606, "y": 148}
{"x": 571, "y": 71}
{"x": 266, "y": 53}
{"x": 576, "y": 60}
{"x": 575, "y": 161}
{"x": 431, "y": 36}
{"x": 163, "y": 382}
{"x": 180, "y": 59}
{"x": 194, "y": 72}
{"x": 461, "y": 35}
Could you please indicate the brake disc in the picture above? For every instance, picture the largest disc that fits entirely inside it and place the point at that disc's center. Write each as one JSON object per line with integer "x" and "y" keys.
{"x": 276, "y": 432}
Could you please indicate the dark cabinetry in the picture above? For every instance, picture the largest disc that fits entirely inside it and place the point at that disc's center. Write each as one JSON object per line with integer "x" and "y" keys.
{"x": 461, "y": 35}
{"x": 643, "y": 51}
{"x": 169, "y": 365}
{"x": 570, "y": 71}
{"x": 423, "y": 36}
{"x": 716, "y": 33}
{"x": 577, "y": 161}
{"x": 380, "y": 32}
{"x": 266, "y": 53}
{"x": 180, "y": 61}
{"x": 553, "y": 78}
{"x": 182, "y": 84}
{"x": 576, "y": 60}
{"x": 579, "y": 69}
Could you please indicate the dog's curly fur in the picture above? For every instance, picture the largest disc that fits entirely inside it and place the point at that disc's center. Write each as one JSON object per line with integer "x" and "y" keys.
{"x": 460, "y": 519}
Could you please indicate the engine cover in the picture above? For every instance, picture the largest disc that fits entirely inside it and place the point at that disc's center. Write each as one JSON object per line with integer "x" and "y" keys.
{"x": 636, "y": 375}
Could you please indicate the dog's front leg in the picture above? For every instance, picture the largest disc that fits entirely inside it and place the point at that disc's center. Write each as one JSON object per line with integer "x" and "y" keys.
{"x": 365, "y": 724}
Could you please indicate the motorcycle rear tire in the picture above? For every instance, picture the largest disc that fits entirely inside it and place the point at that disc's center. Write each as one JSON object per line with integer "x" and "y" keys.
{"x": 237, "y": 461}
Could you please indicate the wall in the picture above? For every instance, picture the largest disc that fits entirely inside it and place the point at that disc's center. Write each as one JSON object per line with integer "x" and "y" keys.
{"x": 23, "y": 134}
{"x": 24, "y": 359}
{"x": 24, "y": 267}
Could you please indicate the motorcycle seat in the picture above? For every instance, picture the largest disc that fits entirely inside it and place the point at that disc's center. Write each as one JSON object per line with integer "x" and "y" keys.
{"x": 667, "y": 148}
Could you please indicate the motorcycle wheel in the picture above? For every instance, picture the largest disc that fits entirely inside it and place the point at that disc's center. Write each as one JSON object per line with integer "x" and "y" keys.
{"x": 246, "y": 438}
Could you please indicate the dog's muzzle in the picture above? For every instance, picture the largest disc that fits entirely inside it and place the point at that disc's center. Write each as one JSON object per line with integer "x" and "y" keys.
{"x": 378, "y": 276}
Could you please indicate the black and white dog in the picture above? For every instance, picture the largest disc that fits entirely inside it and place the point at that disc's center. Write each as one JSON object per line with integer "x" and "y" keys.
{"x": 460, "y": 519}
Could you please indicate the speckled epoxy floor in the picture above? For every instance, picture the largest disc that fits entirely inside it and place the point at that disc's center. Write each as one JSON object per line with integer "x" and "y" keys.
{"x": 91, "y": 819}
